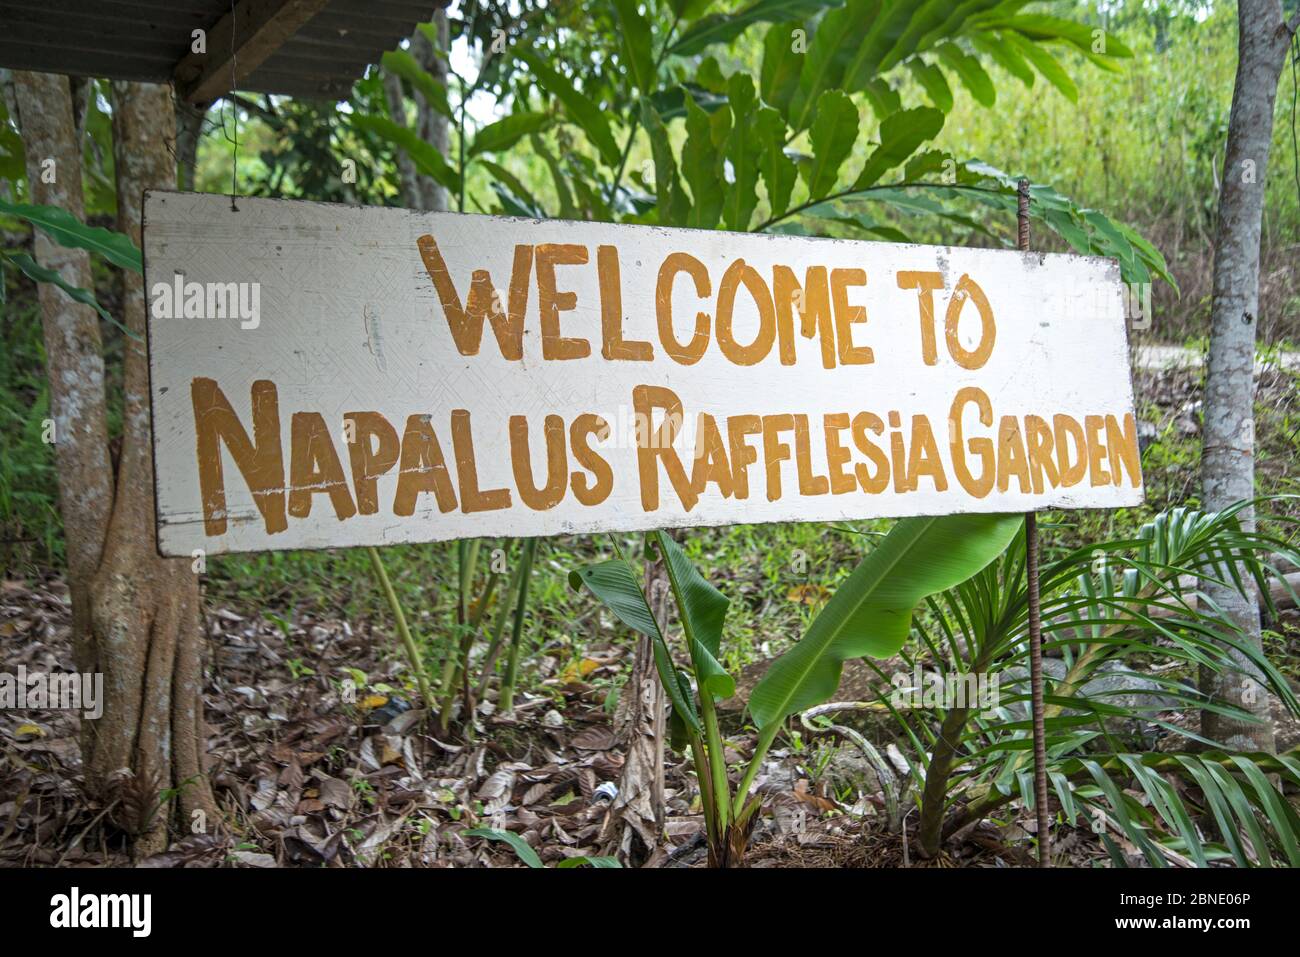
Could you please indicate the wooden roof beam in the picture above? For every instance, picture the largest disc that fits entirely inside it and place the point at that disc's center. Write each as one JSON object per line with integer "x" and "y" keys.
{"x": 239, "y": 43}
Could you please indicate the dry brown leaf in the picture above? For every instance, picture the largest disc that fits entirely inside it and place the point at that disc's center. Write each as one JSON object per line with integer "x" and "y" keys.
{"x": 801, "y": 793}
{"x": 598, "y": 737}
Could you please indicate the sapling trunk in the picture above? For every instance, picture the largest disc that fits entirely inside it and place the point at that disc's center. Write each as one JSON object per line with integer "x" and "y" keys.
{"x": 466, "y": 556}
{"x": 460, "y": 676}
{"x": 408, "y": 642}
{"x": 507, "y": 700}
{"x": 934, "y": 799}
{"x": 499, "y": 628}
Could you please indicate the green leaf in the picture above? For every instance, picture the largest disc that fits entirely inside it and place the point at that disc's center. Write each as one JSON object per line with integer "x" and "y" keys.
{"x": 568, "y": 210}
{"x": 38, "y": 273}
{"x": 933, "y": 82}
{"x": 884, "y": 99}
{"x": 1040, "y": 27}
{"x": 1121, "y": 808}
{"x": 517, "y": 190}
{"x": 832, "y": 136}
{"x": 884, "y": 25}
{"x": 635, "y": 34}
{"x": 922, "y": 165}
{"x": 674, "y": 204}
{"x": 871, "y": 612}
{"x": 671, "y": 103}
{"x": 865, "y": 224}
{"x": 1278, "y": 811}
{"x": 66, "y": 230}
{"x": 13, "y": 164}
{"x": 776, "y": 168}
{"x": 1005, "y": 56}
{"x": 908, "y": 203}
{"x": 709, "y": 75}
{"x": 507, "y": 131}
{"x": 972, "y": 73}
{"x": 702, "y": 609}
{"x": 702, "y": 163}
{"x": 837, "y": 37}
{"x": 900, "y": 136}
{"x": 1044, "y": 63}
{"x": 742, "y": 150}
{"x": 1149, "y": 254}
{"x": 400, "y": 63}
{"x": 1086, "y": 230}
{"x": 614, "y": 583}
{"x": 588, "y": 188}
{"x": 782, "y": 64}
{"x": 517, "y": 844}
{"x": 724, "y": 27}
{"x": 580, "y": 107}
{"x": 928, "y": 24}
{"x": 427, "y": 159}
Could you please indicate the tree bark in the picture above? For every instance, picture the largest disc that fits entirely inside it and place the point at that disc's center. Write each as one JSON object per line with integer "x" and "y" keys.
{"x": 135, "y": 616}
{"x": 189, "y": 130}
{"x": 418, "y": 190}
{"x": 407, "y": 174}
{"x": 430, "y": 124}
{"x": 1227, "y": 457}
{"x": 74, "y": 357}
{"x": 145, "y": 609}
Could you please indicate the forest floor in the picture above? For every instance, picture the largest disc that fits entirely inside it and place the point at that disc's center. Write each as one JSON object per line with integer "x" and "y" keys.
{"x": 308, "y": 779}
{"x": 308, "y": 775}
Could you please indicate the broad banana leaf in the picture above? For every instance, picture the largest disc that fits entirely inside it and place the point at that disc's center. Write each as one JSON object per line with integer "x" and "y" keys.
{"x": 66, "y": 230}
{"x": 871, "y": 612}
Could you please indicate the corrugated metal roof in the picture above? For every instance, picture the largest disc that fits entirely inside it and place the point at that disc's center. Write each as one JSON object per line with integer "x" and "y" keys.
{"x": 146, "y": 39}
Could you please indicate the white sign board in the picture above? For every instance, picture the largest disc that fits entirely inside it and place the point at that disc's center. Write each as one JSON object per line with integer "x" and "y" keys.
{"x": 328, "y": 375}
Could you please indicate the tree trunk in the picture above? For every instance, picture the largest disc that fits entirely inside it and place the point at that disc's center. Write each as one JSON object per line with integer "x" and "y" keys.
{"x": 145, "y": 609}
{"x": 74, "y": 358}
{"x": 418, "y": 190}
{"x": 135, "y": 616}
{"x": 407, "y": 174}
{"x": 430, "y": 124}
{"x": 189, "y": 130}
{"x": 1227, "y": 457}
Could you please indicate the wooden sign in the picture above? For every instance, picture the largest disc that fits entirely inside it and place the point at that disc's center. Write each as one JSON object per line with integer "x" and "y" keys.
{"x": 328, "y": 375}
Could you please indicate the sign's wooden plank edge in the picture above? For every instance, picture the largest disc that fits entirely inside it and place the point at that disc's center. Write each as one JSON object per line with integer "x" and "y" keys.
{"x": 1134, "y": 497}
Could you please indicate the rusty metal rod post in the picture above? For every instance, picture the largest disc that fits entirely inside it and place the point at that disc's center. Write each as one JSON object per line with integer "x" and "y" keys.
{"x": 1035, "y": 616}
